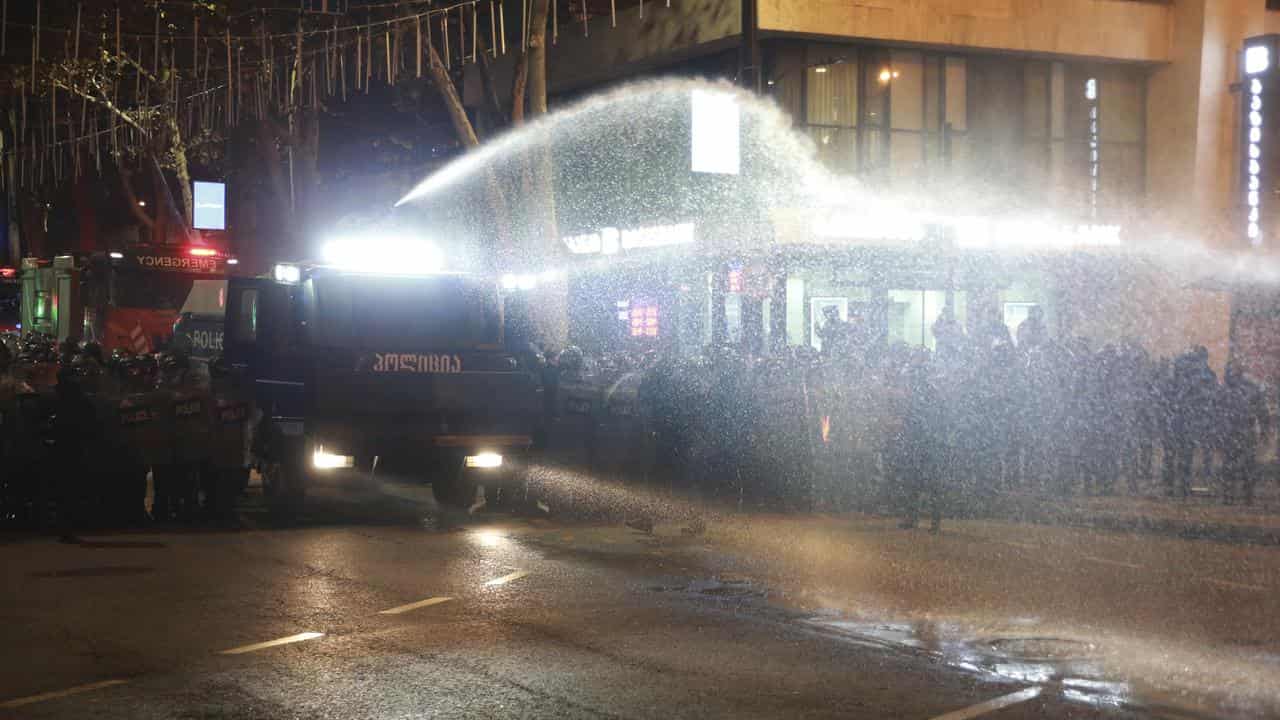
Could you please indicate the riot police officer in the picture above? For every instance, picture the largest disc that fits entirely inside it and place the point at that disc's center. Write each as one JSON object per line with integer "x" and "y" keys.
{"x": 75, "y": 431}
{"x": 1193, "y": 390}
{"x": 1244, "y": 422}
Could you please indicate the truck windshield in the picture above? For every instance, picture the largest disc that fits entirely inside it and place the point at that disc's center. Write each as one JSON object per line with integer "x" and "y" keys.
{"x": 151, "y": 290}
{"x": 391, "y": 313}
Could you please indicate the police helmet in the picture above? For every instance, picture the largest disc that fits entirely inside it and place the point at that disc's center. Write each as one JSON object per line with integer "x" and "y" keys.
{"x": 571, "y": 359}
{"x": 92, "y": 350}
{"x": 67, "y": 349}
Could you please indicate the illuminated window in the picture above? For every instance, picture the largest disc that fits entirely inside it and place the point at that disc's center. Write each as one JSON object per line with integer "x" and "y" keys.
{"x": 644, "y": 320}
{"x": 735, "y": 280}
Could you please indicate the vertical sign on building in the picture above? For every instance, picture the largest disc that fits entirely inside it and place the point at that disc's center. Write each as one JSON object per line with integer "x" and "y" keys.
{"x": 1095, "y": 163}
{"x": 1256, "y": 153}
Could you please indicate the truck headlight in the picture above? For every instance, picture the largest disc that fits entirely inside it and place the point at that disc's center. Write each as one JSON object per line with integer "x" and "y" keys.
{"x": 323, "y": 460}
{"x": 484, "y": 460}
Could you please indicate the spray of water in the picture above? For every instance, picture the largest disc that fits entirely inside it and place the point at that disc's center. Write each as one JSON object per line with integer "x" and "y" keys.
{"x": 621, "y": 159}
{"x": 623, "y": 156}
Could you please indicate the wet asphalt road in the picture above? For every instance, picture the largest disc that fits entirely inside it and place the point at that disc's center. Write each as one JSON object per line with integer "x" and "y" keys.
{"x": 380, "y": 606}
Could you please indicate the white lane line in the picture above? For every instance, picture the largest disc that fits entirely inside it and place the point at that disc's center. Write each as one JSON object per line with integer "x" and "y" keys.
{"x": 28, "y": 700}
{"x": 1236, "y": 585}
{"x": 1116, "y": 563}
{"x": 506, "y": 579}
{"x": 415, "y": 605}
{"x": 999, "y": 703}
{"x": 272, "y": 643}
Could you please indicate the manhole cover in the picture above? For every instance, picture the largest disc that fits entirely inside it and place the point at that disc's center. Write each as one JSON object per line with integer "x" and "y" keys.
{"x": 1042, "y": 648}
{"x": 104, "y": 571}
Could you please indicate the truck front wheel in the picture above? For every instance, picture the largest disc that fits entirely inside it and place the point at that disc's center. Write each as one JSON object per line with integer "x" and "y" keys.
{"x": 453, "y": 487}
{"x": 284, "y": 485}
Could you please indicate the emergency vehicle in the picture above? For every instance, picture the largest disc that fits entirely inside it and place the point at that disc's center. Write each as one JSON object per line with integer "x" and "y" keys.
{"x": 10, "y": 300}
{"x": 353, "y": 366}
{"x": 132, "y": 299}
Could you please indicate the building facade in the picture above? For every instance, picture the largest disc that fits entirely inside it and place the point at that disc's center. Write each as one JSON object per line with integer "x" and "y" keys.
{"x": 1128, "y": 113}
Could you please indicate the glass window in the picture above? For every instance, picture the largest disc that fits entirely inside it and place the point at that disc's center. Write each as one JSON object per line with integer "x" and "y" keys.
{"x": 644, "y": 320}
{"x": 837, "y": 147}
{"x": 906, "y": 84}
{"x": 832, "y": 113}
{"x": 906, "y": 116}
{"x": 912, "y": 314}
{"x": 392, "y": 313}
{"x": 933, "y": 107}
{"x": 877, "y": 76}
{"x": 832, "y": 95}
{"x": 247, "y": 317}
{"x": 906, "y": 317}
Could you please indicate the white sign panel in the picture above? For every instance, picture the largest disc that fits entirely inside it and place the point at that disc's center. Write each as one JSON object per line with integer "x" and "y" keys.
{"x": 210, "y": 211}
{"x": 716, "y": 124}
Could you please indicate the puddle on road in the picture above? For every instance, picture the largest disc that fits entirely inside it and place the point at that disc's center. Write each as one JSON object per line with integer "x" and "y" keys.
{"x": 1046, "y": 649}
{"x": 1070, "y": 666}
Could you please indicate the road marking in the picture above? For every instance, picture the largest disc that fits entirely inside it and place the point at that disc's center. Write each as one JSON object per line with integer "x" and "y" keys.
{"x": 272, "y": 643}
{"x": 415, "y": 605}
{"x": 1239, "y": 586}
{"x": 1117, "y": 563}
{"x": 1024, "y": 546}
{"x": 999, "y": 703}
{"x": 506, "y": 579}
{"x": 19, "y": 702}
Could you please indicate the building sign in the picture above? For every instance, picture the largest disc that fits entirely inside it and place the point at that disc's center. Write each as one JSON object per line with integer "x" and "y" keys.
{"x": 179, "y": 263}
{"x": 715, "y": 132}
{"x": 611, "y": 241}
{"x": 871, "y": 226}
{"x": 1258, "y": 68}
{"x": 984, "y": 233}
{"x": 210, "y": 205}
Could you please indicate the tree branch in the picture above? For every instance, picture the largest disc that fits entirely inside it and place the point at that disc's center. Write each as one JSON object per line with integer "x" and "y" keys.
{"x": 457, "y": 113}
{"x": 126, "y": 181}
{"x": 519, "y": 81}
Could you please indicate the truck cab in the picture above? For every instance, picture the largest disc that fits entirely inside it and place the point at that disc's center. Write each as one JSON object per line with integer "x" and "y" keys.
{"x": 412, "y": 370}
{"x": 132, "y": 299}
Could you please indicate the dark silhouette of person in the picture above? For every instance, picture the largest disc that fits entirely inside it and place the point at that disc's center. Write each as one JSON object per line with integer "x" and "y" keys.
{"x": 919, "y": 449}
{"x": 836, "y": 334}
{"x": 75, "y": 433}
{"x": 1032, "y": 332}
{"x": 1244, "y": 421}
{"x": 1194, "y": 387}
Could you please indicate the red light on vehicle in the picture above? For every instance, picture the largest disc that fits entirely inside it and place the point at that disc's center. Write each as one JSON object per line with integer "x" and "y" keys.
{"x": 202, "y": 252}
{"x": 8, "y": 272}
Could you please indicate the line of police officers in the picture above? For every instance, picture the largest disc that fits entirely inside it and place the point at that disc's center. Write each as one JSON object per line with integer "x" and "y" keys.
{"x": 81, "y": 433}
{"x": 984, "y": 413}
{"x": 875, "y": 426}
